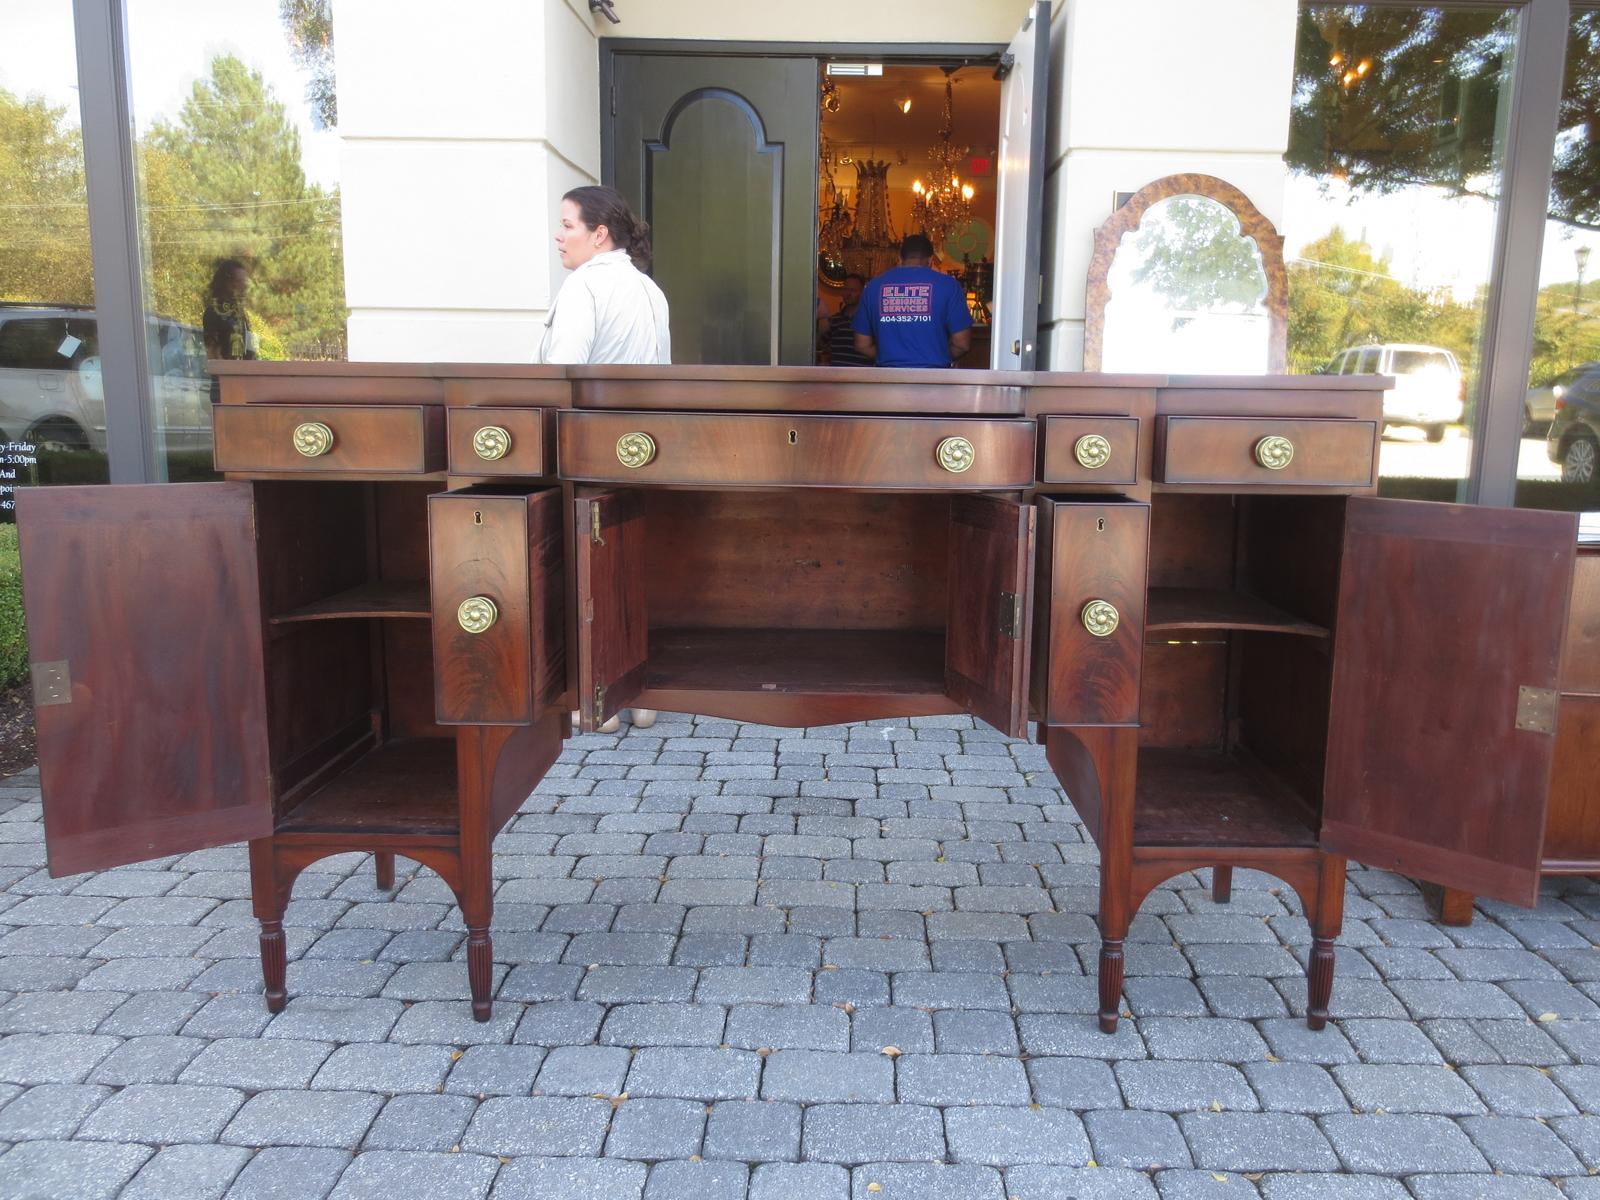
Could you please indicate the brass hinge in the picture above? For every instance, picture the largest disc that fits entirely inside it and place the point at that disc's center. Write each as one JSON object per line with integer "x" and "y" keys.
{"x": 52, "y": 683}
{"x": 598, "y": 715}
{"x": 594, "y": 523}
{"x": 1536, "y": 709}
{"x": 1011, "y": 615}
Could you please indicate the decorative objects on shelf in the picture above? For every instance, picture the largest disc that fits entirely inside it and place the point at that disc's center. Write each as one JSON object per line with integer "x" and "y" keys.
{"x": 943, "y": 203}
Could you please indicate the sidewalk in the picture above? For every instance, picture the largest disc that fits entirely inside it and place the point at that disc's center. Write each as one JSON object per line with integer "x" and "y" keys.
{"x": 740, "y": 962}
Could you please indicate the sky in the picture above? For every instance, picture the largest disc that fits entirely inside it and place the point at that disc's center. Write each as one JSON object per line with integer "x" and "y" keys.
{"x": 171, "y": 44}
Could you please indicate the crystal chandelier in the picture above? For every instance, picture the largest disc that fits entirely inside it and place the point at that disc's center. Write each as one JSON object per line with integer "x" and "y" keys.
{"x": 833, "y": 212}
{"x": 944, "y": 203}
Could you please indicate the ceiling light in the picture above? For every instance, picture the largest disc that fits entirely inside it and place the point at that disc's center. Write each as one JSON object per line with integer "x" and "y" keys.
{"x": 855, "y": 68}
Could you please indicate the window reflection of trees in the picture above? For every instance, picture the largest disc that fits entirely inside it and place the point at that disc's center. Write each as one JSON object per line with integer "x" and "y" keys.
{"x": 1189, "y": 250}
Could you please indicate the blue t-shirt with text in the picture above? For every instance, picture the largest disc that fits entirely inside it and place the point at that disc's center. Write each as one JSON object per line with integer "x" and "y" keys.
{"x": 912, "y": 311}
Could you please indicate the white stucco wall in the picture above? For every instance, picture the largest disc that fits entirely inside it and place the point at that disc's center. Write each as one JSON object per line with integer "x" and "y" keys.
{"x": 459, "y": 137}
{"x": 1146, "y": 88}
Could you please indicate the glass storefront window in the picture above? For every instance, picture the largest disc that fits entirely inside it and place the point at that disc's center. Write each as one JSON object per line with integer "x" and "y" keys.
{"x": 1397, "y": 131}
{"x": 1559, "y": 466}
{"x": 52, "y": 413}
{"x": 237, "y": 159}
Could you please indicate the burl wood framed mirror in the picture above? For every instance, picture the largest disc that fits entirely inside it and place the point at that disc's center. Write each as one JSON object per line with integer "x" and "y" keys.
{"x": 1187, "y": 278}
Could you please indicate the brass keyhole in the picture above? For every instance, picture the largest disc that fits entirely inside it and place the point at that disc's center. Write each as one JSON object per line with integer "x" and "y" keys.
{"x": 794, "y": 437}
{"x": 1100, "y": 525}
{"x": 477, "y": 517}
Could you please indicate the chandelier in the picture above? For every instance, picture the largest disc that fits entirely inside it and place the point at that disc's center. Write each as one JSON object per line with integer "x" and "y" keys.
{"x": 944, "y": 203}
{"x": 833, "y": 212}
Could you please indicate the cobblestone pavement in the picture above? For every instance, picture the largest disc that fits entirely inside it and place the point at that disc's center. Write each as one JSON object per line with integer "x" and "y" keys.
{"x": 740, "y": 962}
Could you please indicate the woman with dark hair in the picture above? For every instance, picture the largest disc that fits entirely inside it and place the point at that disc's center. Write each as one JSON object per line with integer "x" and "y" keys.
{"x": 225, "y": 325}
{"x": 608, "y": 310}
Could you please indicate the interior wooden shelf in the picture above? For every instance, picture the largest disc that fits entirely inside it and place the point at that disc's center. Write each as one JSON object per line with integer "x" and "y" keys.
{"x": 377, "y": 598}
{"x": 1202, "y": 798}
{"x": 1217, "y": 608}
{"x": 807, "y": 661}
{"x": 406, "y": 786}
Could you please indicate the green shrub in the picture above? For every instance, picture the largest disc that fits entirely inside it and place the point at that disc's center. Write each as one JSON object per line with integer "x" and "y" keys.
{"x": 13, "y": 630}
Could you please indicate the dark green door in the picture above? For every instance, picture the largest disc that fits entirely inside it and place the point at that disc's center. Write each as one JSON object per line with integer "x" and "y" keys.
{"x": 719, "y": 154}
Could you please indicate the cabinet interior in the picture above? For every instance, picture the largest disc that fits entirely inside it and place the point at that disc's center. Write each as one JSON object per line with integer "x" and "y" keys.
{"x": 349, "y": 658}
{"x": 741, "y": 596}
{"x": 1237, "y": 669}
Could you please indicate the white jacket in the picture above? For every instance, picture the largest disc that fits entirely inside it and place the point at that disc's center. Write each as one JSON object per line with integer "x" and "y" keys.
{"x": 608, "y": 311}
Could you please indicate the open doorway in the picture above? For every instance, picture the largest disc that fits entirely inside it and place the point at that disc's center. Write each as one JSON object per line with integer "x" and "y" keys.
{"x": 906, "y": 148}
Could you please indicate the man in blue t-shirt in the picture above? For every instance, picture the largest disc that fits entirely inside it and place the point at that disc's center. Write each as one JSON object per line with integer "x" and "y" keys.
{"x": 912, "y": 315}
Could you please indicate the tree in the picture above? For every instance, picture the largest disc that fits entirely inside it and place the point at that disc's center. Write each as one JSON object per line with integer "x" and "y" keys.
{"x": 310, "y": 27}
{"x": 1189, "y": 249}
{"x": 44, "y": 205}
{"x": 224, "y": 180}
{"x": 1388, "y": 98}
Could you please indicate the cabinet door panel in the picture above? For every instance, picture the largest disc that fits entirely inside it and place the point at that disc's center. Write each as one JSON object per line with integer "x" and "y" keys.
{"x": 613, "y": 626}
{"x": 1091, "y": 551}
{"x": 506, "y": 549}
{"x": 991, "y": 601}
{"x": 1445, "y": 612}
{"x": 147, "y": 599}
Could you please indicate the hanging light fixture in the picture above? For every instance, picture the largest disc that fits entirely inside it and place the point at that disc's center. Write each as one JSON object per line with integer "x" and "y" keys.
{"x": 944, "y": 203}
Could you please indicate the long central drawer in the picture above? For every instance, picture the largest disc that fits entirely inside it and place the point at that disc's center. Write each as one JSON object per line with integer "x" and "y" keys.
{"x": 757, "y": 450}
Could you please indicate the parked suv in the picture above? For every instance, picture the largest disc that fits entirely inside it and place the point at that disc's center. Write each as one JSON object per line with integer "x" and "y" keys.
{"x": 1574, "y": 439}
{"x": 50, "y": 387}
{"x": 1427, "y": 383}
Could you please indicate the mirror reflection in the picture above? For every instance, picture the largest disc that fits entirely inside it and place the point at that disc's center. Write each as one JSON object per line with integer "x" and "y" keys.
{"x": 1188, "y": 294}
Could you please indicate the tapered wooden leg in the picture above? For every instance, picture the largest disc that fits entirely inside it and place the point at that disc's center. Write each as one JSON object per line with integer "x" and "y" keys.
{"x": 274, "y": 964}
{"x": 480, "y": 970}
{"x": 1319, "y": 982}
{"x": 383, "y": 860}
{"x": 1221, "y": 884}
{"x": 1456, "y": 907}
{"x": 1110, "y": 983}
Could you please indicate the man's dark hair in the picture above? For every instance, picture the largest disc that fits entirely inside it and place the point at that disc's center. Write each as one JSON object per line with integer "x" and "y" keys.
{"x": 861, "y": 279}
{"x": 220, "y": 270}
{"x": 916, "y": 246}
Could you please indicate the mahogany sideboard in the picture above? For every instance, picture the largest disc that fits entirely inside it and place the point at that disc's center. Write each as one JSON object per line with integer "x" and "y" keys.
{"x": 371, "y": 635}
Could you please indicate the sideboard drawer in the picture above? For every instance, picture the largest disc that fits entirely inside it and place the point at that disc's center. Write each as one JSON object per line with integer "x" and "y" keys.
{"x": 497, "y": 584}
{"x": 502, "y": 441}
{"x": 756, "y": 450}
{"x": 1266, "y": 452}
{"x": 1090, "y": 611}
{"x": 330, "y": 439}
{"x": 1091, "y": 450}
{"x": 1580, "y": 658}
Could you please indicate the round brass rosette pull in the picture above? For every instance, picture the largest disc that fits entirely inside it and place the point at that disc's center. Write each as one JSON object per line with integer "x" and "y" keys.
{"x": 1100, "y": 617}
{"x": 634, "y": 450}
{"x": 491, "y": 443}
{"x": 1274, "y": 452}
{"x": 1092, "y": 451}
{"x": 955, "y": 454}
{"x": 477, "y": 613}
{"x": 313, "y": 439}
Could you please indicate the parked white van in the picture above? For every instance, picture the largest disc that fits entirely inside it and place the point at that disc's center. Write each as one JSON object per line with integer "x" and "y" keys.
{"x": 1427, "y": 383}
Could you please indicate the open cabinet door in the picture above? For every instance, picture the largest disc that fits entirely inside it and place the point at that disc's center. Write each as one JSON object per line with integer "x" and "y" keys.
{"x": 1019, "y": 204}
{"x": 613, "y": 627}
{"x": 144, "y": 631}
{"x": 991, "y": 600}
{"x": 1446, "y": 652}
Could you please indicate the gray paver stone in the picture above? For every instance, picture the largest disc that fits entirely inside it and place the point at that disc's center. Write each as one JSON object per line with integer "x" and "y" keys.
{"x": 925, "y": 1181}
{"x": 1141, "y": 1140}
{"x": 193, "y": 1172}
{"x": 857, "y": 1133}
{"x": 656, "y": 1129}
{"x": 385, "y": 1174}
{"x": 68, "y": 1170}
{"x": 814, "y": 1077}
{"x": 1396, "y": 1144}
{"x": 420, "y": 1122}
{"x": 570, "y": 1179}
{"x": 160, "y": 1114}
{"x": 697, "y": 1181}
{"x": 799, "y": 1181}
{"x": 1007, "y": 1136}
{"x": 538, "y": 1125}
{"x": 1257, "y": 1142}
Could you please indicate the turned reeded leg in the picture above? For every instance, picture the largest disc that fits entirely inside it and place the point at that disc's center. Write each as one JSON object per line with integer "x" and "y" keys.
{"x": 480, "y": 970}
{"x": 274, "y": 964}
{"x": 1319, "y": 982}
{"x": 1456, "y": 907}
{"x": 383, "y": 861}
{"x": 1221, "y": 884}
{"x": 1110, "y": 983}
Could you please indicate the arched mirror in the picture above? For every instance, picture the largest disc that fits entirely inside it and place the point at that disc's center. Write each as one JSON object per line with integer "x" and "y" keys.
{"x": 1187, "y": 278}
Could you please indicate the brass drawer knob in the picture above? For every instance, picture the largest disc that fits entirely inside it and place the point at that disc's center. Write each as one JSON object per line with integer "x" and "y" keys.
{"x": 635, "y": 450}
{"x": 1092, "y": 451}
{"x": 477, "y": 613}
{"x": 1274, "y": 452}
{"x": 313, "y": 439}
{"x": 955, "y": 454}
{"x": 491, "y": 443}
{"x": 1100, "y": 617}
